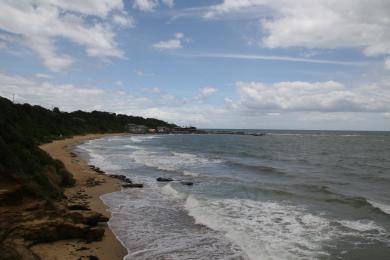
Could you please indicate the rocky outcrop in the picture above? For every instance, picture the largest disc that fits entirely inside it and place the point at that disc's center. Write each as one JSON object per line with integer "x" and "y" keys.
{"x": 57, "y": 229}
{"x": 16, "y": 250}
{"x": 36, "y": 222}
{"x": 11, "y": 194}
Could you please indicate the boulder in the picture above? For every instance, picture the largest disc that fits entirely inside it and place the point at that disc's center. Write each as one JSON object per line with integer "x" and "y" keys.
{"x": 161, "y": 179}
{"x": 119, "y": 177}
{"x": 133, "y": 185}
{"x": 188, "y": 183}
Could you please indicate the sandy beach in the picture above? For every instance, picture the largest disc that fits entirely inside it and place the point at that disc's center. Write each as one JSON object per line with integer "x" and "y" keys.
{"x": 109, "y": 248}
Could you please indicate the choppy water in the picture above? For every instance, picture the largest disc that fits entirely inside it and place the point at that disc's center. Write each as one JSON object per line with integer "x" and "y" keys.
{"x": 286, "y": 195}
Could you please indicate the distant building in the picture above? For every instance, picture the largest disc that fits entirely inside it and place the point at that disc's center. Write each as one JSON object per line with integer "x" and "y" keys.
{"x": 163, "y": 129}
{"x": 152, "y": 130}
{"x": 137, "y": 129}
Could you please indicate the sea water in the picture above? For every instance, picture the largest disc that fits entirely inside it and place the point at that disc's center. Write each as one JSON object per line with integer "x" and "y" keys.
{"x": 285, "y": 195}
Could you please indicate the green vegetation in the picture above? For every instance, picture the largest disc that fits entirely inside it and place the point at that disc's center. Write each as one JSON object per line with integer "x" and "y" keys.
{"x": 23, "y": 127}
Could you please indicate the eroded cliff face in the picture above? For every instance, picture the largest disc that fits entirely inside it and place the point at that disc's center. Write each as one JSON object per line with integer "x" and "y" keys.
{"x": 27, "y": 219}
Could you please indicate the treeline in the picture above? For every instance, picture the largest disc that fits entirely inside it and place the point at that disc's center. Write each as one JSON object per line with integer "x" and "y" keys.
{"x": 23, "y": 127}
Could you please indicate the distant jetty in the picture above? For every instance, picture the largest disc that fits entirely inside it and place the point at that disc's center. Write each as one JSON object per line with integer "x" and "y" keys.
{"x": 230, "y": 132}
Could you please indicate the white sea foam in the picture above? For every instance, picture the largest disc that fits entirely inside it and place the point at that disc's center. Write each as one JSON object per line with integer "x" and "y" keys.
{"x": 135, "y": 147}
{"x": 362, "y": 225}
{"x": 269, "y": 230}
{"x": 193, "y": 174}
{"x": 141, "y": 138}
{"x": 170, "y": 161}
{"x": 383, "y": 207}
{"x": 171, "y": 192}
{"x": 99, "y": 160}
{"x": 154, "y": 227}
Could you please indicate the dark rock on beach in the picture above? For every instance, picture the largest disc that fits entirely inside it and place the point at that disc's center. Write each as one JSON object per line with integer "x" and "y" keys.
{"x": 188, "y": 183}
{"x": 96, "y": 169}
{"x": 119, "y": 177}
{"x": 90, "y": 257}
{"x": 133, "y": 185}
{"x": 161, "y": 179}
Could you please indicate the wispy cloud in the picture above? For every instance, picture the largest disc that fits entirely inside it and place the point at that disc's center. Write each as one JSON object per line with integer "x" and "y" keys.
{"x": 175, "y": 43}
{"x": 270, "y": 58}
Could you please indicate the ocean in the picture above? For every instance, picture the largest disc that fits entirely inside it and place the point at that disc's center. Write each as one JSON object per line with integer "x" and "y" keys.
{"x": 285, "y": 195}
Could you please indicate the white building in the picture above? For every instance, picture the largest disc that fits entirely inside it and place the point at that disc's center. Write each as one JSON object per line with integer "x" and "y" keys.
{"x": 137, "y": 129}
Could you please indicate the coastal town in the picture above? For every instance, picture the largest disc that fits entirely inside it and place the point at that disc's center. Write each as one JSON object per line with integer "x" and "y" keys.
{"x": 142, "y": 129}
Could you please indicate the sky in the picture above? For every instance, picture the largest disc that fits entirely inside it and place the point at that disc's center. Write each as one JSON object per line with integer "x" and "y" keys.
{"x": 254, "y": 64}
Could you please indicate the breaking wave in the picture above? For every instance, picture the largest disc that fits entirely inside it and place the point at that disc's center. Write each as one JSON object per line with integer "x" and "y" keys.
{"x": 270, "y": 230}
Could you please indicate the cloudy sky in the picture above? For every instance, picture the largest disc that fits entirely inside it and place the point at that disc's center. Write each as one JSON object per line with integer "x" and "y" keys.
{"x": 275, "y": 64}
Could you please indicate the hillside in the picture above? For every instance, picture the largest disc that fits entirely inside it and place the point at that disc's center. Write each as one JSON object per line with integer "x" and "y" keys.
{"x": 23, "y": 127}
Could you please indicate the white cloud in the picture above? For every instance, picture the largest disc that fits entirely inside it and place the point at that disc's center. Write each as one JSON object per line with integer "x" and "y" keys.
{"x": 87, "y": 7}
{"x": 124, "y": 20}
{"x": 151, "y": 90}
{"x": 318, "y": 24}
{"x": 176, "y": 115}
{"x": 68, "y": 97}
{"x": 327, "y": 96}
{"x": 145, "y": 5}
{"x": 3, "y": 45}
{"x": 46, "y": 49}
{"x": 151, "y": 5}
{"x": 119, "y": 83}
{"x": 139, "y": 72}
{"x": 142, "y": 73}
{"x": 175, "y": 43}
{"x": 387, "y": 63}
{"x": 42, "y": 76}
{"x": 41, "y": 23}
{"x": 169, "y": 3}
{"x": 205, "y": 93}
{"x": 208, "y": 91}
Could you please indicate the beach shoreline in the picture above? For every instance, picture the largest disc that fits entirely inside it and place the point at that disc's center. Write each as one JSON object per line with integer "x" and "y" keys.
{"x": 109, "y": 247}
